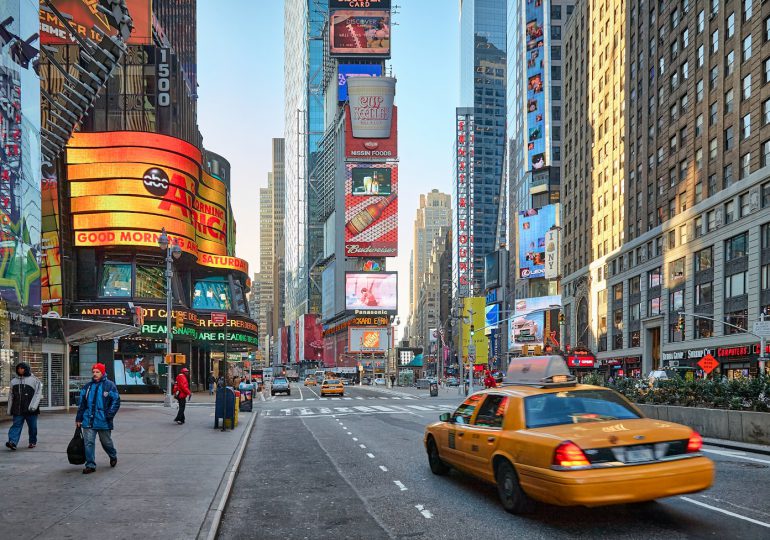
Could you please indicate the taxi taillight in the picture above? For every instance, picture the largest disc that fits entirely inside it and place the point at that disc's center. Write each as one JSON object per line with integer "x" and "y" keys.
{"x": 695, "y": 443}
{"x": 568, "y": 455}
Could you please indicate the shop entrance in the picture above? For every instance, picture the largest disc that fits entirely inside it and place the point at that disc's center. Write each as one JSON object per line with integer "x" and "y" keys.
{"x": 52, "y": 377}
{"x": 652, "y": 349}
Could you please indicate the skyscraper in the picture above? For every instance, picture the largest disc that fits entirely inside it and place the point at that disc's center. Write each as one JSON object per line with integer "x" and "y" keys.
{"x": 303, "y": 111}
{"x": 482, "y": 89}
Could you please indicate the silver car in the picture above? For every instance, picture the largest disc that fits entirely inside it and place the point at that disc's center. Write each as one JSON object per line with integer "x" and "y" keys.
{"x": 280, "y": 386}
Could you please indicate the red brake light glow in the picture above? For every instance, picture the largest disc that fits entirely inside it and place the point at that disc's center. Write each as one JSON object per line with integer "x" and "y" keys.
{"x": 695, "y": 443}
{"x": 568, "y": 455}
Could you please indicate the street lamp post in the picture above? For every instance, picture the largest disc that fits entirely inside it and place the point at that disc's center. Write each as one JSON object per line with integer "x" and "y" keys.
{"x": 395, "y": 321}
{"x": 173, "y": 251}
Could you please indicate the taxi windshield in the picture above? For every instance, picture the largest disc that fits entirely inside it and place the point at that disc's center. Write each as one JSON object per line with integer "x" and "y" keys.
{"x": 574, "y": 407}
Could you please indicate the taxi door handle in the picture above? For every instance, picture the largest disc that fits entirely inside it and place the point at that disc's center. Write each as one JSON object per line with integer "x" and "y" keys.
{"x": 490, "y": 439}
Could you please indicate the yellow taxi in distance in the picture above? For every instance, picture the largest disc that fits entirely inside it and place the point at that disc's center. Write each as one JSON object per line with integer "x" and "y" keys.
{"x": 310, "y": 381}
{"x": 543, "y": 437}
{"x": 332, "y": 386}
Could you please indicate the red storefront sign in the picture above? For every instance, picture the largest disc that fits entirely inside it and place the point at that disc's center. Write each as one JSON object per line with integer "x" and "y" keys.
{"x": 581, "y": 361}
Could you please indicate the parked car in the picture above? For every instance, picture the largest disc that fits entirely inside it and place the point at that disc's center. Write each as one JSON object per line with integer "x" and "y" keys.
{"x": 347, "y": 382}
{"x": 422, "y": 383}
{"x": 280, "y": 386}
{"x": 452, "y": 381}
{"x": 379, "y": 381}
{"x": 366, "y": 380}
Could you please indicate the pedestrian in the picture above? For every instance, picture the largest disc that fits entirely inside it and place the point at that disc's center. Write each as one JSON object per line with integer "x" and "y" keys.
{"x": 212, "y": 382}
{"x": 392, "y": 381}
{"x": 181, "y": 392}
{"x": 23, "y": 405}
{"x": 489, "y": 380}
{"x": 99, "y": 403}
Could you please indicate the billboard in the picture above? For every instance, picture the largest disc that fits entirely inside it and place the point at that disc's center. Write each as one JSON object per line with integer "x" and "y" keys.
{"x": 84, "y": 16}
{"x": 327, "y": 292}
{"x": 552, "y": 254}
{"x": 368, "y": 148}
{"x": 358, "y": 32}
{"x": 126, "y": 186}
{"x": 463, "y": 191}
{"x": 474, "y": 311}
{"x": 368, "y": 339}
{"x": 360, "y": 70}
{"x": 533, "y": 226}
{"x": 310, "y": 336}
{"x": 371, "y": 218}
{"x": 283, "y": 345}
{"x": 50, "y": 256}
{"x": 536, "y": 106}
{"x": 369, "y": 291}
{"x": 492, "y": 316}
{"x": 527, "y": 326}
{"x": 492, "y": 270}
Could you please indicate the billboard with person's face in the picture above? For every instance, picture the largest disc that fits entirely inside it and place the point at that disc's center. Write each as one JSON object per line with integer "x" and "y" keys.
{"x": 533, "y": 226}
{"x": 536, "y": 95}
{"x": 370, "y": 291}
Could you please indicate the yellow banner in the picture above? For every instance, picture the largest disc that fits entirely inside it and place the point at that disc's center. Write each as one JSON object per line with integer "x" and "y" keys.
{"x": 473, "y": 313}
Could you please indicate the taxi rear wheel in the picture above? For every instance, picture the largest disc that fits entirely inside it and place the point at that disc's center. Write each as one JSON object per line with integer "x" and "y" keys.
{"x": 437, "y": 465}
{"x": 512, "y": 497}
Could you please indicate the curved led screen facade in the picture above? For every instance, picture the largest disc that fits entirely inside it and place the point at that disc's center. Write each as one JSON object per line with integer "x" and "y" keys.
{"x": 126, "y": 186}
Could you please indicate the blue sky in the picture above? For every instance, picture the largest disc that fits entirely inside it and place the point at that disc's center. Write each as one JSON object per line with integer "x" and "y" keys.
{"x": 240, "y": 105}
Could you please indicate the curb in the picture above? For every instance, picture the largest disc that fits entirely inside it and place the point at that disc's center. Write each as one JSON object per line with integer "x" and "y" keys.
{"x": 753, "y": 448}
{"x": 214, "y": 514}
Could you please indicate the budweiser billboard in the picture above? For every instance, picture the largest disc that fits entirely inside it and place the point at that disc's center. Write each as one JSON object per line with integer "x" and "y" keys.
{"x": 371, "y": 210}
{"x": 368, "y": 148}
{"x": 371, "y": 106}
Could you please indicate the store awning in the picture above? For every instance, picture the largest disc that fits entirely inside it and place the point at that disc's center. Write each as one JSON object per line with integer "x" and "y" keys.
{"x": 80, "y": 331}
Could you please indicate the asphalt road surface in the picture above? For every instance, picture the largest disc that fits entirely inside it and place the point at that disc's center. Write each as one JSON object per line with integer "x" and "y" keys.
{"x": 355, "y": 467}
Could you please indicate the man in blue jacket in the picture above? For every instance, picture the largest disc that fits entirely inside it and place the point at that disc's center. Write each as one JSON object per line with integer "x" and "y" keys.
{"x": 99, "y": 403}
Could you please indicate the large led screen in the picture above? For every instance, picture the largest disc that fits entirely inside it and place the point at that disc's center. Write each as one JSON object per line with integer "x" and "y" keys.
{"x": 368, "y": 340}
{"x": 84, "y": 16}
{"x": 359, "y": 32}
{"x": 371, "y": 210}
{"x": 371, "y": 291}
{"x": 527, "y": 325}
{"x": 536, "y": 82}
{"x": 533, "y": 226}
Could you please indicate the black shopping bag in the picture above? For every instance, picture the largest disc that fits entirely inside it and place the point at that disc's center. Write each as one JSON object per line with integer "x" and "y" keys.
{"x": 76, "y": 449}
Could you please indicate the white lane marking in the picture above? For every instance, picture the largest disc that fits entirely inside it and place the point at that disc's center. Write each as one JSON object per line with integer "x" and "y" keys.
{"x": 343, "y": 409}
{"x": 382, "y": 408}
{"x": 418, "y": 407}
{"x": 286, "y": 412}
{"x": 736, "y": 454}
{"x": 362, "y": 446}
{"x": 343, "y": 427}
{"x": 322, "y": 410}
{"x": 300, "y": 393}
{"x": 349, "y": 433}
{"x": 371, "y": 456}
{"x": 304, "y": 411}
{"x": 354, "y": 438}
{"x": 381, "y": 397}
{"x": 359, "y": 397}
{"x": 425, "y": 513}
{"x": 726, "y": 512}
{"x": 390, "y": 398}
{"x": 364, "y": 409}
{"x": 383, "y": 468}
{"x": 346, "y": 398}
{"x": 401, "y": 486}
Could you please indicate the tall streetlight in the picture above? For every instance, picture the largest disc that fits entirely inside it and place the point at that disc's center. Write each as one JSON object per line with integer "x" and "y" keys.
{"x": 394, "y": 322}
{"x": 173, "y": 252}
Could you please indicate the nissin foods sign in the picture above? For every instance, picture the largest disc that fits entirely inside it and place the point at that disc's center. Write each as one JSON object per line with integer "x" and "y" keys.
{"x": 126, "y": 186}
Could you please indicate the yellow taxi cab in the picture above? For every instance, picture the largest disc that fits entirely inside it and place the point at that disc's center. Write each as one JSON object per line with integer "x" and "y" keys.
{"x": 543, "y": 437}
{"x": 332, "y": 386}
{"x": 310, "y": 381}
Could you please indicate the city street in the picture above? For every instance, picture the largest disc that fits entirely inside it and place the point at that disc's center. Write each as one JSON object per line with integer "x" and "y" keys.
{"x": 354, "y": 467}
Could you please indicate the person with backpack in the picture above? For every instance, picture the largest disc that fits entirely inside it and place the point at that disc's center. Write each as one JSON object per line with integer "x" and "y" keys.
{"x": 181, "y": 393}
{"x": 99, "y": 403}
{"x": 23, "y": 405}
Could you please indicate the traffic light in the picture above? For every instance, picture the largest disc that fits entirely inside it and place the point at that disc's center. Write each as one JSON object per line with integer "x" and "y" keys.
{"x": 179, "y": 319}
{"x": 561, "y": 318}
{"x": 680, "y": 323}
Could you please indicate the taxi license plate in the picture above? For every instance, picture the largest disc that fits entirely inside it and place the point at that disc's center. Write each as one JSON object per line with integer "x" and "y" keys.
{"x": 637, "y": 455}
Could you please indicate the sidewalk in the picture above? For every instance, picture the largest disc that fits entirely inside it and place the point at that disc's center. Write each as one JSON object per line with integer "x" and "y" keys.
{"x": 169, "y": 479}
{"x": 197, "y": 397}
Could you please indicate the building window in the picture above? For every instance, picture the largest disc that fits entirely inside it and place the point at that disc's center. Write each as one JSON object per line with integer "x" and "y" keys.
{"x": 701, "y": 21}
{"x": 745, "y": 127}
{"x": 699, "y": 159}
{"x": 712, "y": 149}
{"x": 150, "y": 282}
{"x": 766, "y": 196}
{"x": 713, "y": 113}
{"x": 736, "y": 318}
{"x": 701, "y": 55}
{"x": 745, "y": 206}
{"x": 713, "y": 75}
{"x": 653, "y": 306}
{"x": 671, "y": 239}
{"x": 704, "y": 328}
{"x": 747, "y": 48}
{"x": 675, "y": 272}
{"x": 764, "y": 157}
{"x": 767, "y": 29}
{"x": 711, "y": 220}
{"x": 727, "y": 176}
{"x": 735, "y": 285}
{"x": 729, "y": 212}
{"x": 765, "y": 235}
{"x": 735, "y": 247}
{"x": 729, "y": 101}
{"x": 730, "y": 25}
{"x": 746, "y": 87}
{"x": 115, "y": 280}
{"x": 766, "y": 111}
{"x": 699, "y": 91}
{"x": 675, "y": 334}
{"x": 747, "y": 9}
{"x": 617, "y": 291}
{"x": 715, "y": 40}
{"x": 698, "y": 192}
{"x": 676, "y": 300}
{"x": 635, "y": 339}
{"x": 766, "y": 65}
{"x": 729, "y": 63}
{"x": 729, "y": 139}
{"x": 764, "y": 277}
{"x": 699, "y": 124}
{"x": 699, "y": 226}
{"x": 635, "y": 312}
{"x": 635, "y": 285}
{"x": 703, "y": 259}
{"x": 555, "y": 31}
{"x": 745, "y": 165}
{"x": 704, "y": 293}
{"x": 654, "y": 278}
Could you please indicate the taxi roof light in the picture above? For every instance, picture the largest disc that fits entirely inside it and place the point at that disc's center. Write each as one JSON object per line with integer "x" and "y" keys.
{"x": 568, "y": 455}
{"x": 695, "y": 443}
{"x": 540, "y": 371}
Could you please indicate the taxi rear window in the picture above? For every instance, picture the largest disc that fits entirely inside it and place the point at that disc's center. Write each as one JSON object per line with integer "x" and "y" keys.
{"x": 331, "y": 381}
{"x": 574, "y": 407}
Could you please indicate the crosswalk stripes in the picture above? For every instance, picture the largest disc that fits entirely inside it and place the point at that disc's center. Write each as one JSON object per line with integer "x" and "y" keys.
{"x": 309, "y": 412}
{"x": 340, "y": 398}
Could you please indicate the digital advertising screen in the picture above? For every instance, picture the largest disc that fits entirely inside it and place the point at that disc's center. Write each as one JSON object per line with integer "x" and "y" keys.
{"x": 533, "y": 226}
{"x": 370, "y": 148}
{"x": 536, "y": 107}
{"x": 371, "y": 210}
{"x": 370, "y": 291}
{"x": 359, "y": 32}
{"x": 358, "y": 70}
{"x": 367, "y": 340}
{"x": 327, "y": 292}
{"x": 50, "y": 260}
{"x": 527, "y": 325}
{"x": 84, "y": 16}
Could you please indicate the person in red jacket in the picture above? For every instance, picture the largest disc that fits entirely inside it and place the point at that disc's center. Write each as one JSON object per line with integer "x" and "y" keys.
{"x": 489, "y": 380}
{"x": 181, "y": 392}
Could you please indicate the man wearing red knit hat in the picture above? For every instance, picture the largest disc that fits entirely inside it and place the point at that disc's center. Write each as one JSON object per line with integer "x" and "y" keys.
{"x": 99, "y": 403}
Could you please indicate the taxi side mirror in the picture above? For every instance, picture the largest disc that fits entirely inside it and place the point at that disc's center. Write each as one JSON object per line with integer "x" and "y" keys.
{"x": 445, "y": 417}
